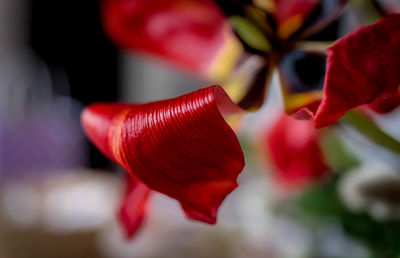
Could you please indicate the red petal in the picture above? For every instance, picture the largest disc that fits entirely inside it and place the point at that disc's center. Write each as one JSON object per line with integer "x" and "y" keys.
{"x": 98, "y": 122}
{"x": 291, "y": 14}
{"x": 188, "y": 33}
{"x": 361, "y": 68}
{"x": 295, "y": 152}
{"x": 181, "y": 147}
{"x": 387, "y": 103}
{"x": 134, "y": 206}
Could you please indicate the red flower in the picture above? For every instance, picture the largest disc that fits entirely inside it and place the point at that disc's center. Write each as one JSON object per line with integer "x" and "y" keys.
{"x": 295, "y": 153}
{"x": 192, "y": 34}
{"x": 362, "y": 68}
{"x": 134, "y": 207}
{"x": 285, "y": 26}
{"x": 181, "y": 147}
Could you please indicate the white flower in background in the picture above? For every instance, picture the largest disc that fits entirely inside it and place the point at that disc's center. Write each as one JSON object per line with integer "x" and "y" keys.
{"x": 374, "y": 189}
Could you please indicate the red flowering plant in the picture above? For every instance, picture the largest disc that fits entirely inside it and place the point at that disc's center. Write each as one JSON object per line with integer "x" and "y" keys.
{"x": 181, "y": 147}
{"x": 294, "y": 150}
{"x": 184, "y": 148}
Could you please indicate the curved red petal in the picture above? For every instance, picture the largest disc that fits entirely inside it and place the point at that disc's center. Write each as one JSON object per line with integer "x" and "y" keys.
{"x": 181, "y": 147}
{"x": 361, "y": 68}
{"x": 187, "y": 33}
{"x": 134, "y": 206}
{"x": 295, "y": 153}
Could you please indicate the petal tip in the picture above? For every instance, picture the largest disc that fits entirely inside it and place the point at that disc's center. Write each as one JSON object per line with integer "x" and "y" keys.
{"x": 303, "y": 114}
{"x": 96, "y": 121}
{"x": 209, "y": 217}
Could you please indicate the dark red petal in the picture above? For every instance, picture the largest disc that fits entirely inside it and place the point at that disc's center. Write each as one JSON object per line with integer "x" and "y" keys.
{"x": 181, "y": 147}
{"x": 386, "y": 104}
{"x": 189, "y": 33}
{"x": 295, "y": 152}
{"x": 361, "y": 68}
{"x": 134, "y": 207}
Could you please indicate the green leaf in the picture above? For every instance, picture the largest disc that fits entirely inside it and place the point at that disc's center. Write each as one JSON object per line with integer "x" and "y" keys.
{"x": 370, "y": 130}
{"x": 250, "y": 33}
{"x": 338, "y": 156}
{"x": 322, "y": 204}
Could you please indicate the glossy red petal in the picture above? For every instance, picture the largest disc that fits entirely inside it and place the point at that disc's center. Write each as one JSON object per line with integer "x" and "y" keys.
{"x": 134, "y": 207}
{"x": 362, "y": 67}
{"x": 189, "y": 33}
{"x": 181, "y": 147}
{"x": 295, "y": 153}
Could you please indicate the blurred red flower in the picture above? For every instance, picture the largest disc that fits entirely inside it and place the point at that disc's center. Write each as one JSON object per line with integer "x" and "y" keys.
{"x": 191, "y": 34}
{"x": 294, "y": 152}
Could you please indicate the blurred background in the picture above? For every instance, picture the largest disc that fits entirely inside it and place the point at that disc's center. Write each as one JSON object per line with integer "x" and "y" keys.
{"x": 59, "y": 196}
